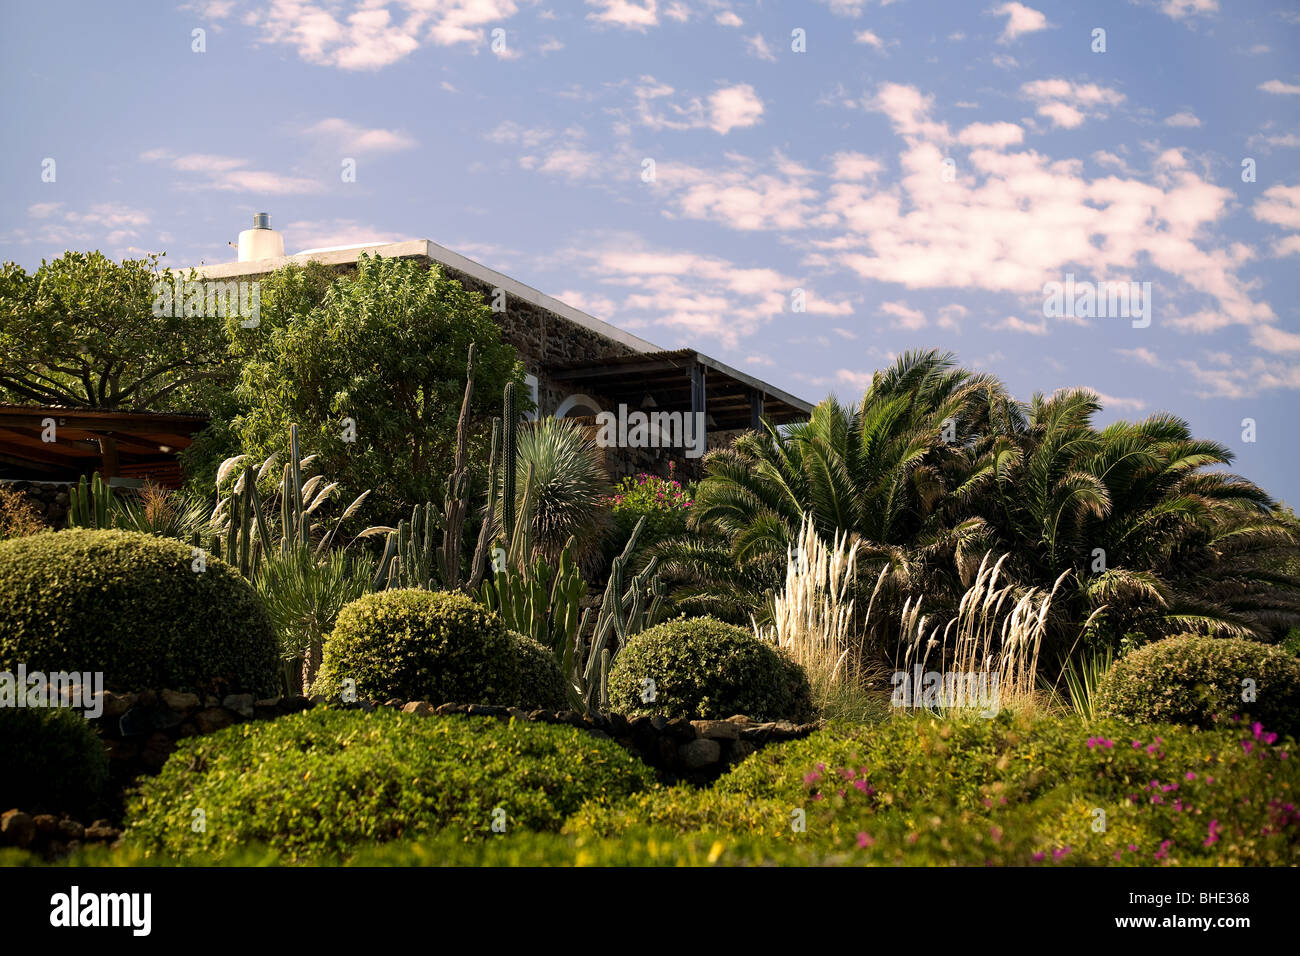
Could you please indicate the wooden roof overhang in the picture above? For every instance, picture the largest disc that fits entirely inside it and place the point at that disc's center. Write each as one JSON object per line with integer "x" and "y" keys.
{"x": 143, "y": 440}
{"x": 684, "y": 380}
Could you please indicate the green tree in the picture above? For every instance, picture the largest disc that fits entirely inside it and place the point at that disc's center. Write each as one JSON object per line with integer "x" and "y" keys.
{"x": 81, "y": 331}
{"x": 379, "y": 358}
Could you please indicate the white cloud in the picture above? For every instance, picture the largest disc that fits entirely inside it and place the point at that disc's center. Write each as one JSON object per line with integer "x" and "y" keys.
{"x": 1141, "y": 355}
{"x": 903, "y": 315}
{"x": 343, "y": 135}
{"x": 625, "y": 13}
{"x": 1068, "y": 104}
{"x": 1184, "y": 9}
{"x": 1186, "y": 118}
{"x": 733, "y": 107}
{"x": 853, "y": 166}
{"x": 869, "y": 38}
{"x": 1279, "y": 205}
{"x": 1280, "y": 88}
{"x": 1020, "y": 20}
{"x": 758, "y": 47}
{"x": 728, "y": 18}
{"x": 1113, "y": 401}
{"x": 1013, "y": 324}
{"x": 996, "y": 135}
{"x": 230, "y": 173}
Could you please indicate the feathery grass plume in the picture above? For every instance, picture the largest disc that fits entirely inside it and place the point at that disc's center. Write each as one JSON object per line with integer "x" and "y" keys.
{"x": 812, "y": 621}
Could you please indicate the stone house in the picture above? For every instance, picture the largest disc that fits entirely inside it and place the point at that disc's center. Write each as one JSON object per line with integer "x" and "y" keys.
{"x": 579, "y": 366}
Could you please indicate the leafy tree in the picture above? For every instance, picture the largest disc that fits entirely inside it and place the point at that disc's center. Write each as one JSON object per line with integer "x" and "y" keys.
{"x": 372, "y": 369}
{"x": 81, "y": 331}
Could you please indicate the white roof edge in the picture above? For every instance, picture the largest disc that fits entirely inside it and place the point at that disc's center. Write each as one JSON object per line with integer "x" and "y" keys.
{"x": 424, "y": 247}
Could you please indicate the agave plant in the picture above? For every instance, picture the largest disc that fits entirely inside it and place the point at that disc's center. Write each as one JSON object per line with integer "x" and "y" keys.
{"x": 158, "y": 511}
{"x": 303, "y": 592}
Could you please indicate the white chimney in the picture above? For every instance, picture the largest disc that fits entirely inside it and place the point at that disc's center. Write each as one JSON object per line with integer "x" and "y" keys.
{"x": 260, "y": 242}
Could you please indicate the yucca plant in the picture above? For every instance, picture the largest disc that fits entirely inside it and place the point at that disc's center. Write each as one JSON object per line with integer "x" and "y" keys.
{"x": 569, "y": 486}
{"x": 1083, "y": 678}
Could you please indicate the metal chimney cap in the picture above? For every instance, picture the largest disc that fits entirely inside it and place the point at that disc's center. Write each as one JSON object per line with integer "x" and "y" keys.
{"x": 262, "y": 220}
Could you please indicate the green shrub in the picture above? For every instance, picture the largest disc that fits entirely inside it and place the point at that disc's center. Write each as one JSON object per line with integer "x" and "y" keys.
{"x": 1020, "y": 790}
{"x": 438, "y": 646}
{"x": 326, "y": 781}
{"x": 131, "y": 605}
{"x": 1199, "y": 681}
{"x": 541, "y": 682}
{"x": 53, "y": 761}
{"x": 682, "y": 809}
{"x": 704, "y": 668}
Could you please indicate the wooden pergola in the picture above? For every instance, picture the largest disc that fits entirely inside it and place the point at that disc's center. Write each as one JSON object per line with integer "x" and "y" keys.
{"x": 55, "y": 443}
{"x": 688, "y": 381}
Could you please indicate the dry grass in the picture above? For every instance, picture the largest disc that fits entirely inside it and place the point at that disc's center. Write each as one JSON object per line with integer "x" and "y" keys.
{"x": 998, "y": 631}
{"x": 812, "y": 621}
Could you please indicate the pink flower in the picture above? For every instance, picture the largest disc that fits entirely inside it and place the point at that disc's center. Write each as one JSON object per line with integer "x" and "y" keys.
{"x": 866, "y": 840}
{"x": 1213, "y": 838}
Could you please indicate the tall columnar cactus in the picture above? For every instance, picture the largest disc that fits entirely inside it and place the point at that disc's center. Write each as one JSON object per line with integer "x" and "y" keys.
{"x": 416, "y": 557}
{"x": 622, "y": 614}
{"x": 478, "y": 564}
{"x": 510, "y": 423}
{"x": 454, "y": 503}
{"x": 90, "y": 504}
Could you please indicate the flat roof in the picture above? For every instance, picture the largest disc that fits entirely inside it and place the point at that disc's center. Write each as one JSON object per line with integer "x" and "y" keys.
{"x": 430, "y": 250}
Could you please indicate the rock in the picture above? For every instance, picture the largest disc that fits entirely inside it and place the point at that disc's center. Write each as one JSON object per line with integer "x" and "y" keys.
{"x": 211, "y": 701}
{"x": 115, "y": 705}
{"x": 395, "y": 702}
{"x": 164, "y": 718}
{"x": 138, "y": 720}
{"x": 659, "y": 722}
{"x": 421, "y": 708}
{"x": 739, "y": 719}
{"x": 784, "y": 727}
{"x": 680, "y": 729}
{"x": 486, "y": 710}
{"x": 619, "y": 726}
{"x": 716, "y": 729}
{"x": 46, "y": 823}
{"x": 242, "y": 704}
{"x": 101, "y": 833}
{"x": 212, "y": 719}
{"x": 17, "y": 828}
{"x": 71, "y": 830}
{"x": 742, "y": 749}
{"x": 121, "y": 749}
{"x": 699, "y": 753}
{"x": 156, "y": 750}
{"x": 540, "y": 715}
{"x": 570, "y": 717}
{"x": 517, "y": 713}
{"x": 175, "y": 700}
{"x": 443, "y": 710}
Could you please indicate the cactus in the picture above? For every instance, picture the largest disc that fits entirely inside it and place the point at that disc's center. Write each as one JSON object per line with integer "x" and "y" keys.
{"x": 534, "y": 600}
{"x": 90, "y": 504}
{"x": 454, "y": 504}
{"x": 510, "y": 421}
{"x": 414, "y": 555}
{"x": 478, "y": 564}
{"x": 622, "y": 614}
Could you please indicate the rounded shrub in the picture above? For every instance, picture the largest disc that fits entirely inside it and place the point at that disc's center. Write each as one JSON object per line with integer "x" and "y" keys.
{"x": 1200, "y": 681}
{"x": 132, "y": 606}
{"x": 321, "y": 783}
{"x": 53, "y": 761}
{"x": 438, "y": 646}
{"x": 703, "y": 668}
{"x": 541, "y": 683}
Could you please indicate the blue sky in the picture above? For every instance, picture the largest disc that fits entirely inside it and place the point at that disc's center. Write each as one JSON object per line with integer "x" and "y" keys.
{"x": 920, "y": 170}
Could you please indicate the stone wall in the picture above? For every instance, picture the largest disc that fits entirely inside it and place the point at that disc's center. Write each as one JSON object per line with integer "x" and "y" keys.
{"x": 50, "y": 497}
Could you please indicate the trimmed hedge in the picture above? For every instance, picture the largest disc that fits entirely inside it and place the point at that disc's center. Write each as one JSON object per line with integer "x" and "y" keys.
{"x": 439, "y": 646}
{"x": 131, "y": 605}
{"x": 52, "y": 760}
{"x": 327, "y": 781}
{"x": 705, "y": 669}
{"x": 541, "y": 683}
{"x": 1199, "y": 681}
